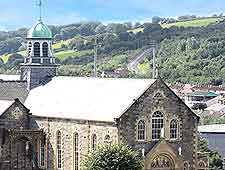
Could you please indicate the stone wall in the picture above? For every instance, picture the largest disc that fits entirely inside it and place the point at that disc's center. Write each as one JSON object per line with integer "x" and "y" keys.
{"x": 67, "y": 127}
{"x": 160, "y": 98}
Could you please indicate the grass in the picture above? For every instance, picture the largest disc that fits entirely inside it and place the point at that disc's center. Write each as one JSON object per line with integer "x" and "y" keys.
{"x": 136, "y": 30}
{"x": 5, "y": 57}
{"x": 59, "y": 44}
{"x": 71, "y": 53}
{"x": 144, "y": 68}
{"x": 193, "y": 23}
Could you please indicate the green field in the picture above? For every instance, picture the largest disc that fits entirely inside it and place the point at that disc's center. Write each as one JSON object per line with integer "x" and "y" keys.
{"x": 71, "y": 53}
{"x": 59, "y": 44}
{"x": 193, "y": 23}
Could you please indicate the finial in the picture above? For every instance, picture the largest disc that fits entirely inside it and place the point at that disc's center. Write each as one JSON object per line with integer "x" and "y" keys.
{"x": 39, "y": 4}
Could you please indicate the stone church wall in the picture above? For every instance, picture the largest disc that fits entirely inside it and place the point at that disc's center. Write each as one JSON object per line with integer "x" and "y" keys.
{"x": 67, "y": 127}
{"x": 172, "y": 107}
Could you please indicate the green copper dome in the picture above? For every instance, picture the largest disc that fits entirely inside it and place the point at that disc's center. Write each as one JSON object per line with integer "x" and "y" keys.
{"x": 40, "y": 30}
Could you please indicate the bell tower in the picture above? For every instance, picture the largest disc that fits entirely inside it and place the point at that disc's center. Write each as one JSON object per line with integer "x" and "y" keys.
{"x": 39, "y": 65}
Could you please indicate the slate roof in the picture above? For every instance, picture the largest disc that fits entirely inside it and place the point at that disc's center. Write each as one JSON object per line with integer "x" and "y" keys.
{"x": 216, "y": 128}
{"x": 5, "y": 104}
{"x": 85, "y": 98}
{"x": 10, "y": 90}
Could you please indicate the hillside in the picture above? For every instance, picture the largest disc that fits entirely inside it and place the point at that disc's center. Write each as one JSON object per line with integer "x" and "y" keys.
{"x": 203, "y": 22}
{"x": 188, "y": 52}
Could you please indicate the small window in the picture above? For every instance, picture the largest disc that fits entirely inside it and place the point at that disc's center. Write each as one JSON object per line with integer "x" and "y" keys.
{"x": 36, "y": 49}
{"x": 94, "y": 141}
{"x": 59, "y": 150}
{"x": 173, "y": 129}
{"x": 45, "y": 49}
{"x": 157, "y": 125}
{"x": 141, "y": 130}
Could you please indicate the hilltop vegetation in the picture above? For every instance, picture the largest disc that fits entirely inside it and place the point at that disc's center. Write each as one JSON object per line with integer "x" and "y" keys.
{"x": 188, "y": 51}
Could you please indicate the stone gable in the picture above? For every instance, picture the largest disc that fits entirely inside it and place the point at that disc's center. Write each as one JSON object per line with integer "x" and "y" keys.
{"x": 160, "y": 98}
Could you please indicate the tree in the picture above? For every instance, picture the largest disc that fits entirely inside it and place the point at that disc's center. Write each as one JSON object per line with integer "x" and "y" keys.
{"x": 100, "y": 29}
{"x": 156, "y": 19}
{"x": 215, "y": 161}
{"x": 110, "y": 157}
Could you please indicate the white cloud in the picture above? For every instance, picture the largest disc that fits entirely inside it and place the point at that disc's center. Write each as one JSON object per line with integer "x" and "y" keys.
{"x": 65, "y": 19}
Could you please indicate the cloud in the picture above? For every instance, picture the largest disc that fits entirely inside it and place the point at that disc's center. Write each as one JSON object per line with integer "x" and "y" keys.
{"x": 65, "y": 19}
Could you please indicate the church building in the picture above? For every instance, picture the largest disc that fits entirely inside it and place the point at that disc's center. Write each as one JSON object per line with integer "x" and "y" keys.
{"x": 50, "y": 122}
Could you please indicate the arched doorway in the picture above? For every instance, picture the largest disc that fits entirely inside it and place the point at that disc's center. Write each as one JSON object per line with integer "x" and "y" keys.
{"x": 162, "y": 162}
{"x": 21, "y": 154}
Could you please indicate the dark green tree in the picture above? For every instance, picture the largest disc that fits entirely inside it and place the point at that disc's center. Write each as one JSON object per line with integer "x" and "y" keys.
{"x": 215, "y": 161}
{"x": 112, "y": 157}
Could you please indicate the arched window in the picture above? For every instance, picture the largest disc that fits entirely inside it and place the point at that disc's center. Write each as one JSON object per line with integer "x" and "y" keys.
{"x": 107, "y": 139}
{"x": 141, "y": 130}
{"x": 36, "y": 49}
{"x": 157, "y": 125}
{"x": 162, "y": 162}
{"x": 94, "y": 141}
{"x": 76, "y": 151}
{"x": 173, "y": 129}
{"x": 45, "y": 49}
{"x": 59, "y": 150}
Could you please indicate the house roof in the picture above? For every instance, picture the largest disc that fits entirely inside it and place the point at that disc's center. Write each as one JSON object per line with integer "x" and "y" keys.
{"x": 203, "y": 93}
{"x": 6, "y": 77}
{"x": 40, "y": 30}
{"x": 10, "y": 90}
{"x": 216, "y": 128}
{"x": 85, "y": 98}
{"x": 5, "y": 104}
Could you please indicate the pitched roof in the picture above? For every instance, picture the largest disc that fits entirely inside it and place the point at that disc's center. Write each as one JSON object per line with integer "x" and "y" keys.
{"x": 5, "y": 104}
{"x": 6, "y": 77}
{"x": 10, "y": 90}
{"x": 85, "y": 98}
{"x": 216, "y": 128}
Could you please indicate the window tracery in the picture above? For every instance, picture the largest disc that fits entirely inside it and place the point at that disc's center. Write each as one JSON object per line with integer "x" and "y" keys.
{"x": 141, "y": 130}
{"x": 157, "y": 125}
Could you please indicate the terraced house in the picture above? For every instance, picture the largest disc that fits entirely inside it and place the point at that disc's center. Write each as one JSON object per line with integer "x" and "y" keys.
{"x": 50, "y": 122}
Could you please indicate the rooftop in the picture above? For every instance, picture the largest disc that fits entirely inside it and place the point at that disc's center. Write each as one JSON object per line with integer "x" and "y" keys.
{"x": 40, "y": 30}
{"x": 216, "y": 128}
{"x": 85, "y": 98}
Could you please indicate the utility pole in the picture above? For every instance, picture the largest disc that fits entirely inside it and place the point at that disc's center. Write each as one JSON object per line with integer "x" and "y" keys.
{"x": 153, "y": 63}
{"x": 154, "y": 70}
{"x": 95, "y": 57}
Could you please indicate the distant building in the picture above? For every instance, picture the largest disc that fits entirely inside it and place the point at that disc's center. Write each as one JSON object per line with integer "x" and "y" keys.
{"x": 199, "y": 97}
{"x": 215, "y": 135}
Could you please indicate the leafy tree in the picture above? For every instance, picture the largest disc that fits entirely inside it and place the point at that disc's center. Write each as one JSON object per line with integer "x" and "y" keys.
{"x": 156, "y": 19}
{"x": 100, "y": 29}
{"x": 215, "y": 161}
{"x": 110, "y": 157}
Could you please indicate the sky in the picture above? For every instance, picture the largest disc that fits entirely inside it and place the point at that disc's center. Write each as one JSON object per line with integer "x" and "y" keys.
{"x": 15, "y": 14}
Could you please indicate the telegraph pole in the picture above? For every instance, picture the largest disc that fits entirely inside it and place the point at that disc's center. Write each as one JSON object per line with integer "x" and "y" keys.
{"x": 154, "y": 69}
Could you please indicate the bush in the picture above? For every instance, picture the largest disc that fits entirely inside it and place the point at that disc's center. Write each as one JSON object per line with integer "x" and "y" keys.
{"x": 112, "y": 157}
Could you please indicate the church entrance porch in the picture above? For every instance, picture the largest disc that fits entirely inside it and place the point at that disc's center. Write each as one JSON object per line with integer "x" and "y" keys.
{"x": 19, "y": 149}
{"x": 163, "y": 157}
